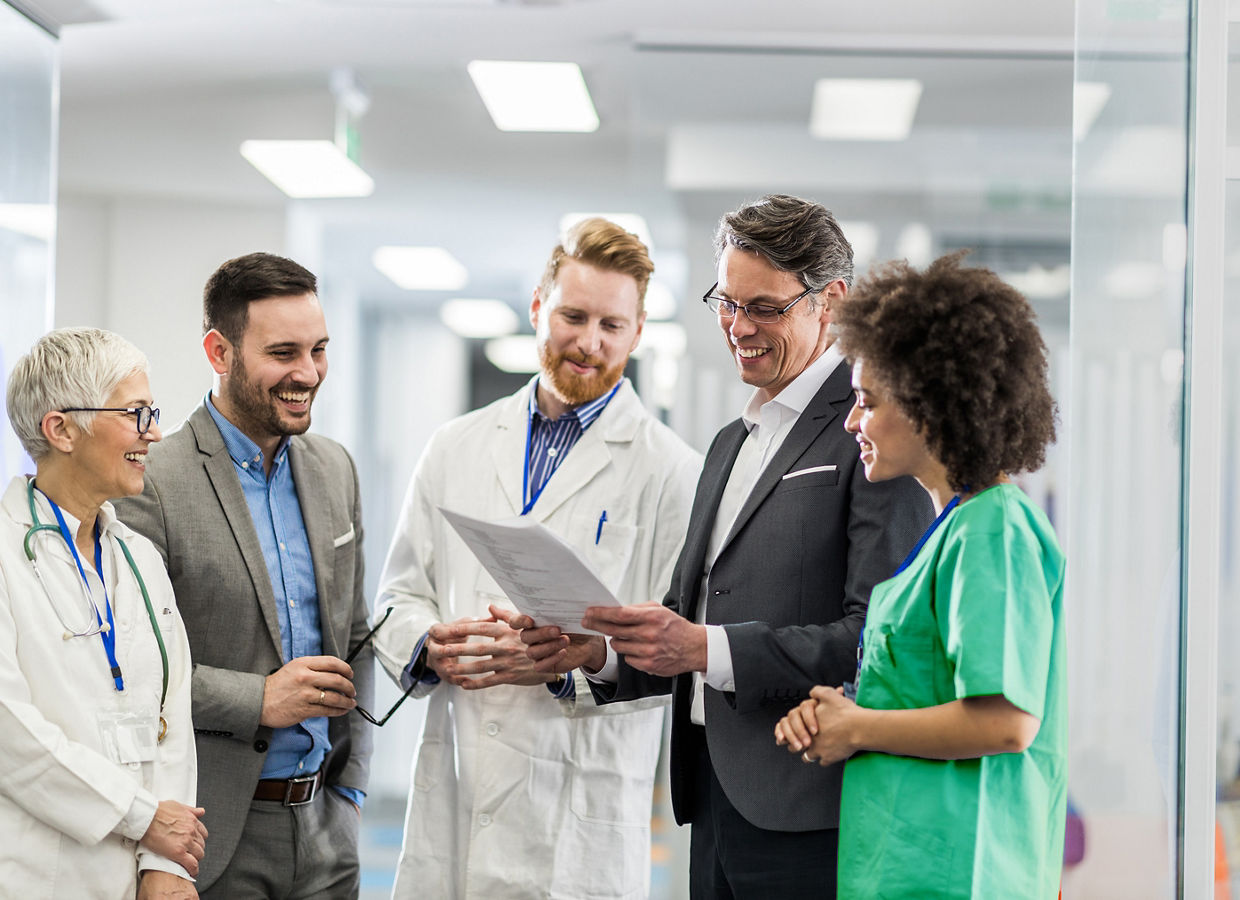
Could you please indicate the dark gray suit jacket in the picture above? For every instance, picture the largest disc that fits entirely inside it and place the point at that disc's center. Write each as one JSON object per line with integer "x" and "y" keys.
{"x": 194, "y": 511}
{"x": 790, "y": 586}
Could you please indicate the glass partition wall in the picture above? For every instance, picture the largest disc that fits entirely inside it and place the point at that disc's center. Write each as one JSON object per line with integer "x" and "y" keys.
{"x": 1124, "y": 416}
{"x": 27, "y": 190}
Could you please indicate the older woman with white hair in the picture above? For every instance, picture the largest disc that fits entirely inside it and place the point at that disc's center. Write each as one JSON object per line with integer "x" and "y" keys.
{"x": 97, "y": 786}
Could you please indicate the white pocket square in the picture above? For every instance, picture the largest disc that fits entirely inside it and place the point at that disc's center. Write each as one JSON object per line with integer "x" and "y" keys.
{"x": 344, "y": 538}
{"x": 809, "y": 471}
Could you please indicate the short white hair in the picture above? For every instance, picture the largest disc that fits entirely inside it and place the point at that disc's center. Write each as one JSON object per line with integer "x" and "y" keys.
{"x": 65, "y": 368}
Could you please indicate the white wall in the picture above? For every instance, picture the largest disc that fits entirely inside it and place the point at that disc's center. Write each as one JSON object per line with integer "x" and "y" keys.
{"x": 137, "y": 266}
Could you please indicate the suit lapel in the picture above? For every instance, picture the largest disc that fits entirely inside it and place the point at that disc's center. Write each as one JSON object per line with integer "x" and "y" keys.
{"x": 315, "y": 500}
{"x": 823, "y": 409}
{"x": 508, "y": 448}
{"x": 227, "y": 486}
{"x": 710, "y": 489}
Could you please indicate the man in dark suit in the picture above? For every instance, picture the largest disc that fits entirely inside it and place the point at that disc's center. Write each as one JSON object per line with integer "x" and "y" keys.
{"x": 260, "y": 526}
{"x": 785, "y": 541}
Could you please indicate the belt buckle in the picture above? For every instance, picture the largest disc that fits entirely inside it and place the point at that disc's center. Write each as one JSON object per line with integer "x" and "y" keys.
{"x": 288, "y": 789}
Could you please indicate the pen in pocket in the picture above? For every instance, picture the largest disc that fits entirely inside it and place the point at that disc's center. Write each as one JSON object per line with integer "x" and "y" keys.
{"x": 598, "y": 536}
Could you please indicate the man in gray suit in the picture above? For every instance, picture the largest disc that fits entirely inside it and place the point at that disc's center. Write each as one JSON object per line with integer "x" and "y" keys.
{"x": 785, "y": 541}
{"x": 260, "y": 526}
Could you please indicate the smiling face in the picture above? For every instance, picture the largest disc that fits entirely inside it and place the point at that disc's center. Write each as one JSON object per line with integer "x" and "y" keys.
{"x": 891, "y": 445}
{"x": 586, "y": 328}
{"x": 770, "y": 355}
{"x": 268, "y": 382}
{"x": 111, "y": 460}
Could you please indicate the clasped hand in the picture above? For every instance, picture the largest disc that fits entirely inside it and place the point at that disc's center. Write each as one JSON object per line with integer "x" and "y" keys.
{"x": 177, "y": 833}
{"x": 817, "y": 728}
{"x": 475, "y": 653}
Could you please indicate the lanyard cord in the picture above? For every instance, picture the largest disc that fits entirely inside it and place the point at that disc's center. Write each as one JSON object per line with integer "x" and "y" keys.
{"x": 525, "y": 472}
{"x": 133, "y": 567}
{"x": 108, "y": 634}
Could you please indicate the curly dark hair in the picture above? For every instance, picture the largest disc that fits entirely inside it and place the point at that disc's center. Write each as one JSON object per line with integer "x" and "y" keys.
{"x": 960, "y": 351}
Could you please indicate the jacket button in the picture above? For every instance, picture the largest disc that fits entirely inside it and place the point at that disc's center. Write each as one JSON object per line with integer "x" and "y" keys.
{"x": 260, "y": 745}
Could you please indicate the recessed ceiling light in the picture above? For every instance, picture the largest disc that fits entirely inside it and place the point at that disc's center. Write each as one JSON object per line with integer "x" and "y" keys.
{"x": 516, "y": 353}
{"x": 421, "y": 268}
{"x": 630, "y": 222}
{"x": 479, "y": 318}
{"x": 534, "y": 96}
{"x": 306, "y": 169}
{"x": 663, "y": 339}
{"x": 1088, "y": 98}
{"x": 864, "y": 109}
{"x": 863, "y": 236}
{"x": 916, "y": 245}
{"x": 1040, "y": 283}
{"x": 660, "y": 302}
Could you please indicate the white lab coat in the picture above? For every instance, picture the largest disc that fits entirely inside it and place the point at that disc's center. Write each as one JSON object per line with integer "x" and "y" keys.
{"x": 516, "y": 794}
{"x": 70, "y": 818}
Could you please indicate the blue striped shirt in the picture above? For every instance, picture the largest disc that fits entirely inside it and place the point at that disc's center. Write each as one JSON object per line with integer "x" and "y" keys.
{"x": 551, "y": 439}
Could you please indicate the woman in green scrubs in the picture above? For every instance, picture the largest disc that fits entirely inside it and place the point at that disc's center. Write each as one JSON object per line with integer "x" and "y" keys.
{"x": 956, "y": 744}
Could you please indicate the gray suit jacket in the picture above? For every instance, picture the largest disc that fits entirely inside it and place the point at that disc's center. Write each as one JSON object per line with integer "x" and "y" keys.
{"x": 194, "y": 511}
{"x": 790, "y": 586}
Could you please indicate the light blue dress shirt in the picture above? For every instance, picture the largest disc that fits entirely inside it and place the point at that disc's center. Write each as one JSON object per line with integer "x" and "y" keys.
{"x": 276, "y": 512}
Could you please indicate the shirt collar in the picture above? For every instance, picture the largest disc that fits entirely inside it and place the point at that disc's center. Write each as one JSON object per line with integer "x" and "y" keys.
{"x": 797, "y": 395}
{"x": 585, "y": 414}
{"x": 238, "y": 444}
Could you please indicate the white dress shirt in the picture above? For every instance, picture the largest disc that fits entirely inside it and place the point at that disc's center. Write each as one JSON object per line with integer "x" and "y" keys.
{"x": 769, "y": 424}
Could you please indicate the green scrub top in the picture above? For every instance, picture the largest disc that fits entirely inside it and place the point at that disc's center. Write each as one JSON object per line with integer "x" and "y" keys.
{"x": 978, "y": 612}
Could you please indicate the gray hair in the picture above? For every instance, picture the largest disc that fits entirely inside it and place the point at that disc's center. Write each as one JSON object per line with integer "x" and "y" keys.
{"x": 65, "y": 368}
{"x": 794, "y": 235}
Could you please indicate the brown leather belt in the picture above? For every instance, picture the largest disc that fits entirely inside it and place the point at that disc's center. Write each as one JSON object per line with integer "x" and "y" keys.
{"x": 290, "y": 791}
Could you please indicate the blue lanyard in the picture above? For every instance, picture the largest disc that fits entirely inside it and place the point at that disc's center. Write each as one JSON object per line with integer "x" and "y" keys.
{"x": 108, "y": 635}
{"x": 908, "y": 561}
{"x": 525, "y": 472}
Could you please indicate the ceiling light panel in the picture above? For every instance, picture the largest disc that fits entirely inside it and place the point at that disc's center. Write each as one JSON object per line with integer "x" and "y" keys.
{"x": 308, "y": 169}
{"x": 534, "y": 96}
{"x": 864, "y": 109}
{"x": 479, "y": 318}
{"x": 517, "y": 353}
{"x": 421, "y": 268}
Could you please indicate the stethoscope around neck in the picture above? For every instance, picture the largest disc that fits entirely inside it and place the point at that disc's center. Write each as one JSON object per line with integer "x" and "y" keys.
{"x": 96, "y": 623}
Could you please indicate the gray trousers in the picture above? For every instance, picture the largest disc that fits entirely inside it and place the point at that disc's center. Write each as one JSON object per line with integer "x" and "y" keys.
{"x": 294, "y": 852}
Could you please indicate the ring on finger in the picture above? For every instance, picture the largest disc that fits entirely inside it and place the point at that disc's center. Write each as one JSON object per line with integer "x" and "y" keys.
{"x": 322, "y": 695}
{"x": 805, "y": 757}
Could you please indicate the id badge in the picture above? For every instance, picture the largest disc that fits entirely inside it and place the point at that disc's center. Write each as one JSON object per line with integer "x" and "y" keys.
{"x": 128, "y": 738}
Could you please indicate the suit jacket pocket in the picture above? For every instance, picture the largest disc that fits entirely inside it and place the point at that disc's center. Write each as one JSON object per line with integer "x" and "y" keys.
{"x": 809, "y": 477}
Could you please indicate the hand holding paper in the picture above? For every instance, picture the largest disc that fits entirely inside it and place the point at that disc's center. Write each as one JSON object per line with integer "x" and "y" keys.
{"x": 544, "y": 577}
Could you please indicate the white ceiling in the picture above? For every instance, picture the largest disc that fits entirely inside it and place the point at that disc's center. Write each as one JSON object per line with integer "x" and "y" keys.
{"x": 703, "y": 103}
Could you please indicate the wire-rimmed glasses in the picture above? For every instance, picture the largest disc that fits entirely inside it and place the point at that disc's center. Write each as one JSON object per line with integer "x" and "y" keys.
{"x": 144, "y": 416}
{"x": 757, "y": 312}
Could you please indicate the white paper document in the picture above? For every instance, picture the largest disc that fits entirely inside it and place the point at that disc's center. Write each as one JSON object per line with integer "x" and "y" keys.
{"x": 544, "y": 577}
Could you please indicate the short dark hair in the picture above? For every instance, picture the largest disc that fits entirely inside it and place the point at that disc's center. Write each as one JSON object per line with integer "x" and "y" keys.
{"x": 239, "y": 282}
{"x": 793, "y": 235}
{"x": 960, "y": 351}
{"x": 606, "y": 246}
